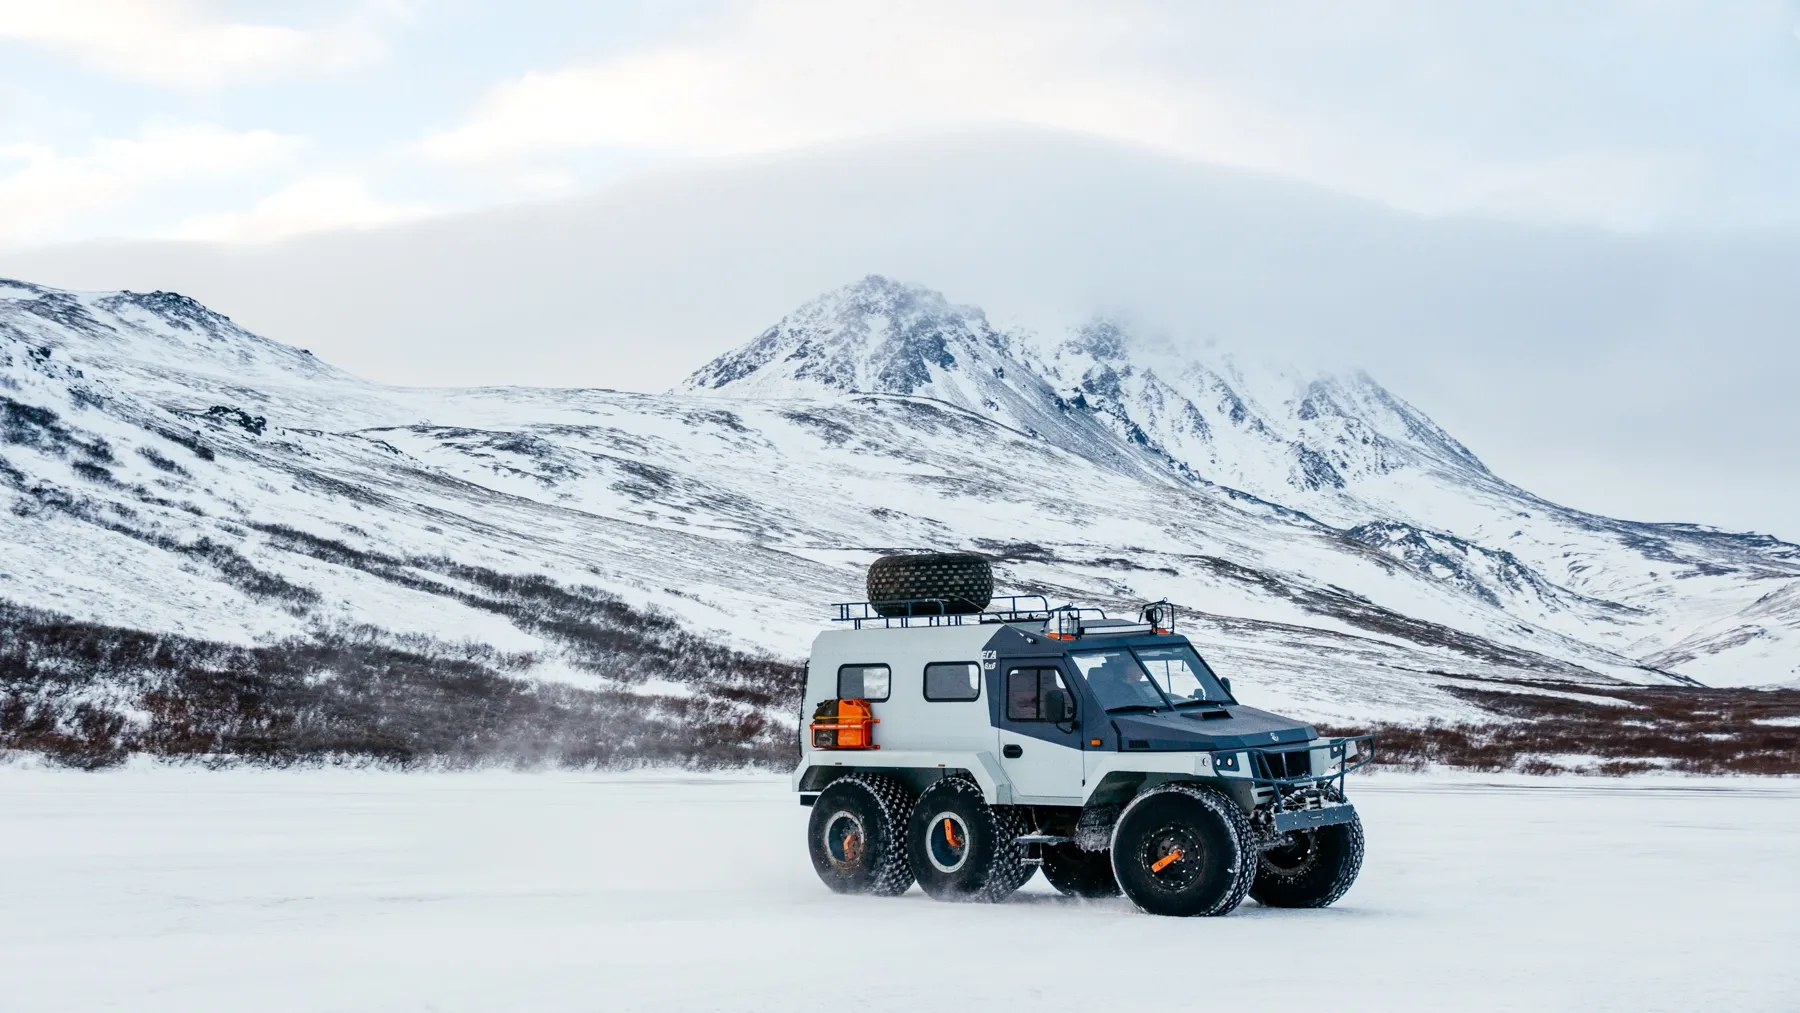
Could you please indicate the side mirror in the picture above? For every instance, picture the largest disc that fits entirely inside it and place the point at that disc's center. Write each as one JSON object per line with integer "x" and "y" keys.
{"x": 1057, "y": 706}
{"x": 1225, "y": 681}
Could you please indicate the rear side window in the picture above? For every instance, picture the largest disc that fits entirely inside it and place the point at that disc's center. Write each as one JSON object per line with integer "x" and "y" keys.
{"x": 1025, "y": 692}
{"x": 960, "y": 680}
{"x": 863, "y": 682}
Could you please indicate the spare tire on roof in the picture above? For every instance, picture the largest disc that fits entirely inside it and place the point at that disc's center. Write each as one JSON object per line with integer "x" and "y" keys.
{"x": 963, "y": 580}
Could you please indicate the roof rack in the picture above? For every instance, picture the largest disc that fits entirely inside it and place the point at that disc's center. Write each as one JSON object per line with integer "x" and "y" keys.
{"x": 1017, "y": 608}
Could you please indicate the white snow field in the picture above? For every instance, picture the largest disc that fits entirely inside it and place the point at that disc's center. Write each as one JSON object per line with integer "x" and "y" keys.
{"x": 172, "y": 889}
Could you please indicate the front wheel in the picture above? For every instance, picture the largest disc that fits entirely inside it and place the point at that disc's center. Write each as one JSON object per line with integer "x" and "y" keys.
{"x": 1313, "y": 869}
{"x": 1182, "y": 849}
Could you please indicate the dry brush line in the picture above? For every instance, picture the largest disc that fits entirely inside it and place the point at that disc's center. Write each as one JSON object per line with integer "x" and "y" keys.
{"x": 1699, "y": 731}
{"x": 90, "y": 696}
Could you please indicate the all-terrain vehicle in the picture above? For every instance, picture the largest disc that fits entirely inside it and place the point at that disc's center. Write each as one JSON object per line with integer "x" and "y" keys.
{"x": 963, "y": 742}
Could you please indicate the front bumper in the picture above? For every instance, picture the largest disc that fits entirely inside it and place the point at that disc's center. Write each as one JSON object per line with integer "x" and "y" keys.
{"x": 1312, "y": 819}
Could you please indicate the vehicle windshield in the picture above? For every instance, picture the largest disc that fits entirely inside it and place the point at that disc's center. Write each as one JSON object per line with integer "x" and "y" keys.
{"x": 1180, "y": 673}
{"x": 1118, "y": 681}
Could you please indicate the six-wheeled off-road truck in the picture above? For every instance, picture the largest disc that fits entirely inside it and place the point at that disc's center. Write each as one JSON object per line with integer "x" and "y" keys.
{"x": 963, "y": 742}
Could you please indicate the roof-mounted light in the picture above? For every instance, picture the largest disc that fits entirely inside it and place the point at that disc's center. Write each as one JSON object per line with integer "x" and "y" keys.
{"x": 1068, "y": 625}
{"x": 1160, "y": 615}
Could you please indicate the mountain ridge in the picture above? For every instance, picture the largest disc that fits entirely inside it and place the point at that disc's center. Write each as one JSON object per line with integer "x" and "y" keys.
{"x": 1340, "y": 449}
{"x": 724, "y": 512}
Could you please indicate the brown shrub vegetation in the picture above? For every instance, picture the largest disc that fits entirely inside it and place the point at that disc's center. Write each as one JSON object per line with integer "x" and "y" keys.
{"x": 90, "y": 695}
{"x": 1693, "y": 730}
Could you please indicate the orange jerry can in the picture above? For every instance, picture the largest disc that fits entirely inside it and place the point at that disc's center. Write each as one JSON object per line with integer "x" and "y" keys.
{"x": 844, "y": 724}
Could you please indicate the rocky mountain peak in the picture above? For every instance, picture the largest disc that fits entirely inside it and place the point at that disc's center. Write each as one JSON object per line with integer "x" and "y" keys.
{"x": 875, "y": 335}
{"x": 1283, "y": 434}
{"x": 877, "y": 294}
{"x": 1101, "y": 339}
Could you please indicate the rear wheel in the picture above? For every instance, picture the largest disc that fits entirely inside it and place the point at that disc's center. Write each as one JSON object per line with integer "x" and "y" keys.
{"x": 1078, "y": 873}
{"x": 961, "y": 848}
{"x": 855, "y": 835}
{"x": 1180, "y": 849}
{"x": 1313, "y": 869}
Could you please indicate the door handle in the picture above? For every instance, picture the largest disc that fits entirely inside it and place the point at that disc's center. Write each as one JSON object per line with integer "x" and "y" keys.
{"x": 1011, "y": 752}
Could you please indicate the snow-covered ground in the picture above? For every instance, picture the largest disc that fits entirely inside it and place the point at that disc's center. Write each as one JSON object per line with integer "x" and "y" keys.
{"x": 175, "y": 889}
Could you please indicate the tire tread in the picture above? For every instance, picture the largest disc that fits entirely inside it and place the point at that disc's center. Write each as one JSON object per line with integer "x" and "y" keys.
{"x": 1010, "y": 871}
{"x": 894, "y": 876}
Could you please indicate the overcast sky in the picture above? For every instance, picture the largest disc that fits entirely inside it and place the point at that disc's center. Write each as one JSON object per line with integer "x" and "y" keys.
{"x": 248, "y": 119}
{"x": 1568, "y": 231}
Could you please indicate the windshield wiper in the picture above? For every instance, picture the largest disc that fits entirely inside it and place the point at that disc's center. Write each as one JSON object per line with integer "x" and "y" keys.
{"x": 1148, "y": 708}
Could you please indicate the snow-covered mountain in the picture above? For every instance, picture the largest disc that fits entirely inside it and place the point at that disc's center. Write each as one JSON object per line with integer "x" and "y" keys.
{"x": 884, "y": 337}
{"x": 1340, "y": 449}
{"x": 163, "y": 469}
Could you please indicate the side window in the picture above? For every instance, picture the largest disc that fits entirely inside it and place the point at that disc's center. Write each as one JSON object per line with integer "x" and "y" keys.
{"x": 863, "y": 682}
{"x": 1028, "y": 695}
{"x": 959, "y": 680}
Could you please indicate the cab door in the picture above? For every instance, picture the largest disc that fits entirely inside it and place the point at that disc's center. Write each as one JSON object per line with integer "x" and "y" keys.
{"x": 1040, "y": 731}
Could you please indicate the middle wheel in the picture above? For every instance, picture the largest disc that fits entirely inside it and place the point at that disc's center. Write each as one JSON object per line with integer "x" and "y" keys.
{"x": 960, "y": 848}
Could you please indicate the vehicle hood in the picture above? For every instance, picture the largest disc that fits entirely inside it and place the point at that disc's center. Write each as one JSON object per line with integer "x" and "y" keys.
{"x": 1186, "y": 730}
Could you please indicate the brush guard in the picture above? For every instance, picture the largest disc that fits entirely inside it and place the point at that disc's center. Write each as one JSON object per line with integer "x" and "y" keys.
{"x": 1289, "y": 795}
